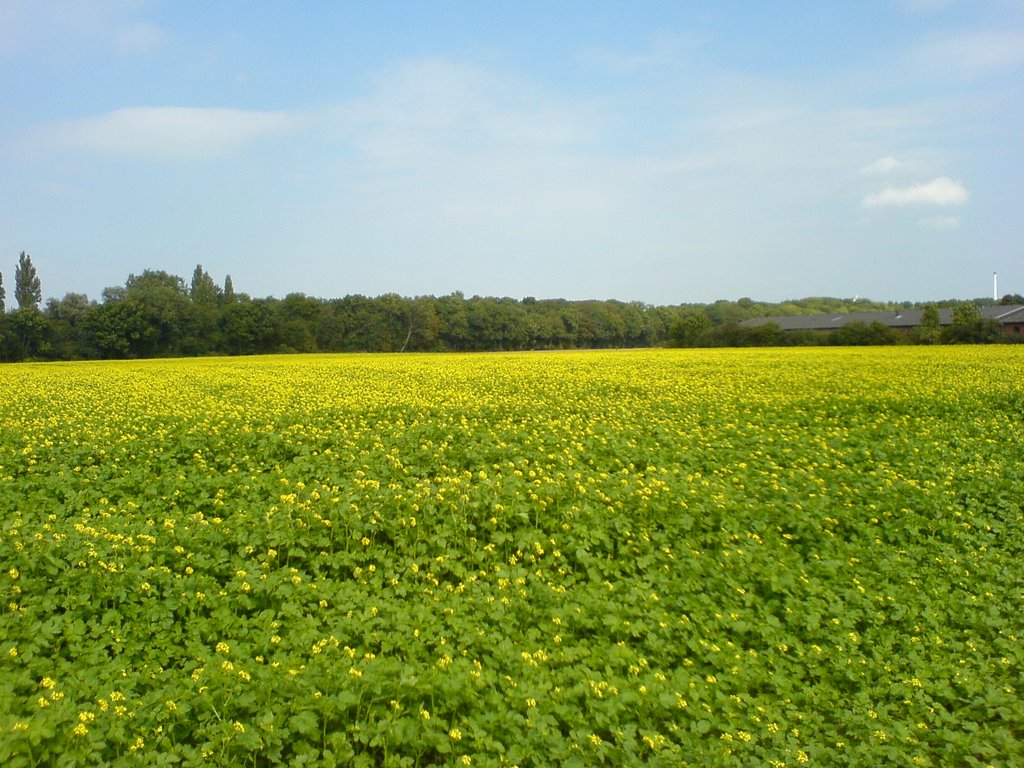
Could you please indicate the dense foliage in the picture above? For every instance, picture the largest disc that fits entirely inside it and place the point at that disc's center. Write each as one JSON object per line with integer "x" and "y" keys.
{"x": 704, "y": 558}
{"x": 156, "y": 314}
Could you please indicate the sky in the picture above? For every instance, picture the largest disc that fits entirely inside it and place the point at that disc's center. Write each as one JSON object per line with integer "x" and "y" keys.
{"x": 663, "y": 152}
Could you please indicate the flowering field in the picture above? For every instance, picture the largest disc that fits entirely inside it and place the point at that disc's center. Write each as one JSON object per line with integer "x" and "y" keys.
{"x": 734, "y": 558}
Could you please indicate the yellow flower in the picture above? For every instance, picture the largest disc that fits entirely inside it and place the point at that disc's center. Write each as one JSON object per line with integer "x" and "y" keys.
{"x": 223, "y": 647}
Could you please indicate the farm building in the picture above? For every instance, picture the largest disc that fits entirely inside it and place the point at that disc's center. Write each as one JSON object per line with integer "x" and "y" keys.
{"x": 1011, "y": 318}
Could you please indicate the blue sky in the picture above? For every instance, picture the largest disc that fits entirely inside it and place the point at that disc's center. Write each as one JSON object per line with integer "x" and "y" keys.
{"x": 667, "y": 152}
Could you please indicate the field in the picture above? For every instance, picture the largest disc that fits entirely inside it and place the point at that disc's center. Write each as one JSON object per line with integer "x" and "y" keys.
{"x": 705, "y": 558}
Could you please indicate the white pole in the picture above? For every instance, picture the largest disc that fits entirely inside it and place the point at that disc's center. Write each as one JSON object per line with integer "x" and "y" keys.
{"x": 995, "y": 286}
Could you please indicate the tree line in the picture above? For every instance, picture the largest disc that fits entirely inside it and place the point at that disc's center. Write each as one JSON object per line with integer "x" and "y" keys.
{"x": 157, "y": 314}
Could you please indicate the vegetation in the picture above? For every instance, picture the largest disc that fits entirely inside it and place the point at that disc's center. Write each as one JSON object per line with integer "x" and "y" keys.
{"x": 27, "y": 289}
{"x": 157, "y": 314}
{"x": 675, "y": 557}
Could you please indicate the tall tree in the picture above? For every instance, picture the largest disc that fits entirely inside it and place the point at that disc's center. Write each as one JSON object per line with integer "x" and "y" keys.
{"x": 199, "y": 331}
{"x": 3, "y": 293}
{"x": 229, "y": 290}
{"x": 27, "y": 289}
{"x": 203, "y": 291}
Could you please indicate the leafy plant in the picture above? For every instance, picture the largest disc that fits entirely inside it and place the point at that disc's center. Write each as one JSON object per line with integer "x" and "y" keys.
{"x": 670, "y": 558}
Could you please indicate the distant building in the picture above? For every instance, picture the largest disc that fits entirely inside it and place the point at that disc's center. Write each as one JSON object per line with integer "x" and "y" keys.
{"x": 1011, "y": 318}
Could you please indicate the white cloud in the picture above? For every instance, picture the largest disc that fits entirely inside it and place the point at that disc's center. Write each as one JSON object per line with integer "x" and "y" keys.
{"x": 167, "y": 132}
{"x": 882, "y": 167}
{"x": 942, "y": 191}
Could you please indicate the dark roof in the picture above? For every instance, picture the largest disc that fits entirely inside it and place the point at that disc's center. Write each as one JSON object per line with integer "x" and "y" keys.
{"x": 896, "y": 318}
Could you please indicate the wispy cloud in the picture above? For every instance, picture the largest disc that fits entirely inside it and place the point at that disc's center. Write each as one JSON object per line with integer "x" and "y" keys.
{"x": 883, "y": 166}
{"x": 662, "y": 53}
{"x": 166, "y": 133}
{"x": 140, "y": 37}
{"x": 925, "y": 5}
{"x": 431, "y": 107}
{"x": 972, "y": 55}
{"x": 942, "y": 192}
{"x": 112, "y": 24}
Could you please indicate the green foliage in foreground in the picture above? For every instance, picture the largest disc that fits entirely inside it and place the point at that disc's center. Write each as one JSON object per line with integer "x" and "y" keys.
{"x": 725, "y": 558}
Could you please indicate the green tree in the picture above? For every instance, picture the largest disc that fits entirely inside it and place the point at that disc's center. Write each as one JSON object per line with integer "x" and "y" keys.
{"x": 454, "y": 321}
{"x": 28, "y": 330}
{"x": 228, "y": 294}
{"x": 203, "y": 291}
{"x": 202, "y": 315}
{"x": 930, "y": 330}
{"x": 424, "y": 325}
{"x": 120, "y": 329}
{"x": 969, "y": 327}
{"x": 690, "y": 327}
{"x": 249, "y": 328}
{"x": 66, "y": 320}
{"x": 164, "y": 300}
{"x": 3, "y": 293}
{"x": 298, "y": 316}
{"x": 27, "y": 289}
